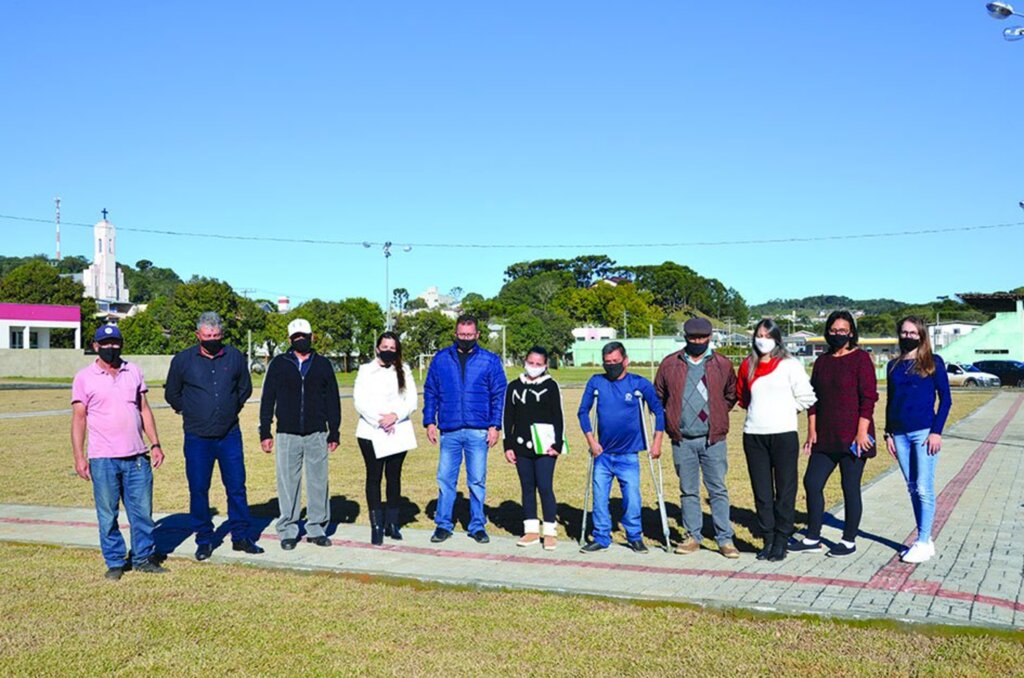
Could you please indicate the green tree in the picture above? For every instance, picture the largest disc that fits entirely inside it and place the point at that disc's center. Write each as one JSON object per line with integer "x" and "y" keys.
{"x": 399, "y": 298}
{"x": 415, "y": 304}
{"x": 483, "y": 309}
{"x": 147, "y": 282}
{"x": 526, "y": 328}
{"x": 611, "y": 306}
{"x": 199, "y": 295}
{"x": 425, "y": 332}
{"x": 535, "y": 291}
{"x": 143, "y": 335}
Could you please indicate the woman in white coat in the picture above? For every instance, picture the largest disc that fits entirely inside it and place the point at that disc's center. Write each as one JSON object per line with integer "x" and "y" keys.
{"x": 385, "y": 398}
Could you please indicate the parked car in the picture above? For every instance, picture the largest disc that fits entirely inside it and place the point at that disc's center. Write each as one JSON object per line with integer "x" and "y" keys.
{"x": 257, "y": 366}
{"x": 970, "y": 376}
{"x": 1010, "y": 372}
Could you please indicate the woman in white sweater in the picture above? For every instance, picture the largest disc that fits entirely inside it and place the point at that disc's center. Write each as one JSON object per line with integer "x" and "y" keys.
{"x": 385, "y": 398}
{"x": 773, "y": 387}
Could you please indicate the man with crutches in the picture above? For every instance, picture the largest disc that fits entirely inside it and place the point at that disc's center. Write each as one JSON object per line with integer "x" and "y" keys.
{"x": 619, "y": 397}
{"x": 697, "y": 387}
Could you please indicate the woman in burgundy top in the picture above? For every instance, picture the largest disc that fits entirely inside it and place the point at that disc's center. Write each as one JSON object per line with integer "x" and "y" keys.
{"x": 840, "y": 431}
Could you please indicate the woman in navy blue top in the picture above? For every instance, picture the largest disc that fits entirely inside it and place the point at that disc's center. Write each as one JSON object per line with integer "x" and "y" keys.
{"x": 913, "y": 425}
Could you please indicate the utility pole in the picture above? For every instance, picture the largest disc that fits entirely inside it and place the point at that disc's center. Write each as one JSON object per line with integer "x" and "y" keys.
{"x": 625, "y": 327}
{"x": 57, "y": 201}
{"x": 650, "y": 329}
{"x": 504, "y": 358}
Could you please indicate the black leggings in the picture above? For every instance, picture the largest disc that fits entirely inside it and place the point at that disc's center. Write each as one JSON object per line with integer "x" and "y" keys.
{"x": 390, "y": 466}
{"x": 536, "y": 473}
{"x": 819, "y": 468}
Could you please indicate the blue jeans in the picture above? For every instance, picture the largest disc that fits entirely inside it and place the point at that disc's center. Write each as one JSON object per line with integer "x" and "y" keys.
{"x": 919, "y": 471}
{"x": 129, "y": 479}
{"x": 693, "y": 458}
{"x": 471, "y": 443}
{"x": 626, "y": 468}
{"x": 200, "y": 455}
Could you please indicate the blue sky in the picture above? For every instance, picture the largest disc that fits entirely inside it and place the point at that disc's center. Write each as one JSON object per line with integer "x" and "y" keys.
{"x": 533, "y": 123}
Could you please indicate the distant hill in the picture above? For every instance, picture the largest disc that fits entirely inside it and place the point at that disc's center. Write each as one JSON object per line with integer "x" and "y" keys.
{"x": 811, "y": 306}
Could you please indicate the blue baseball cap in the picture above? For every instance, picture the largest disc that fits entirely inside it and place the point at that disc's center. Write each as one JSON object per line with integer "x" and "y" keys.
{"x": 105, "y": 332}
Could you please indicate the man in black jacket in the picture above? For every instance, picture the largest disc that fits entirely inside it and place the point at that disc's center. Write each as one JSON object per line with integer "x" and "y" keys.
{"x": 301, "y": 386}
{"x": 208, "y": 385}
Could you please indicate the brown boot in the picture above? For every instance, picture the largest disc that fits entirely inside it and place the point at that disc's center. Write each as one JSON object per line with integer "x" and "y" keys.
{"x": 729, "y": 550}
{"x": 688, "y": 546}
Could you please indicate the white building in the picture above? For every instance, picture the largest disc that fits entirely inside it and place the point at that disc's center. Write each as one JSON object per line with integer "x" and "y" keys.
{"x": 434, "y": 299}
{"x": 104, "y": 281}
{"x": 595, "y": 334}
{"x": 945, "y": 333}
{"x": 29, "y": 325}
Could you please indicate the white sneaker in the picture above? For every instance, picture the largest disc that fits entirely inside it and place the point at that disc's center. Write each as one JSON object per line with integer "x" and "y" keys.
{"x": 931, "y": 548}
{"x": 919, "y": 552}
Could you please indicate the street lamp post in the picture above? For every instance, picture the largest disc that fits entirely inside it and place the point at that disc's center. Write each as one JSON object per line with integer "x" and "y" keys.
{"x": 387, "y": 276}
{"x": 1004, "y": 10}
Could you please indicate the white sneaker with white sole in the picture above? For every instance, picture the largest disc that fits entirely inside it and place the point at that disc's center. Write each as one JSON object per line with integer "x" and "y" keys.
{"x": 919, "y": 552}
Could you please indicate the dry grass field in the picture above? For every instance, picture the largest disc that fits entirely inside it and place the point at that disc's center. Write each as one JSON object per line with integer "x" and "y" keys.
{"x": 44, "y": 443}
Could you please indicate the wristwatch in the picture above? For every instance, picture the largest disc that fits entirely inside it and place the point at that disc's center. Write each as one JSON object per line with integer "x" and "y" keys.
{"x": 154, "y": 446}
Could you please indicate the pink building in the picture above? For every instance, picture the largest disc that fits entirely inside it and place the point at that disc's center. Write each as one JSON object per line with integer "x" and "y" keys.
{"x": 29, "y": 325}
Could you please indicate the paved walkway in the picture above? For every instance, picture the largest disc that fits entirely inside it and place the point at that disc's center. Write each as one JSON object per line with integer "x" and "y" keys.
{"x": 976, "y": 578}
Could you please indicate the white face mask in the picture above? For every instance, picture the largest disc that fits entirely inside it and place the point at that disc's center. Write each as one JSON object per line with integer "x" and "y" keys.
{"x": 764, "y": 345}
{"x": 534, "y": 372}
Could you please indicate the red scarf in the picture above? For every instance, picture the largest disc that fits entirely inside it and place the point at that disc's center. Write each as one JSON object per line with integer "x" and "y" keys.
{"x": 743, "y": 385}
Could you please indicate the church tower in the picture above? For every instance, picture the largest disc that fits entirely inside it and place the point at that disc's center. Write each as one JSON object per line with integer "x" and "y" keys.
{"x": 104, "y": 281}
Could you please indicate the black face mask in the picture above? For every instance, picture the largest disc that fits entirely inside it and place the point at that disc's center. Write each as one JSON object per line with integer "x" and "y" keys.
{"x": 908, "y": 344}
{"x": 695, "y": 349}
{"x": 302, "y": 344}
{"x": 212, "y": 346}
{"x": 387, "y": 357}
{"x": 466, "y": 345}
{"x": 614, "y": 370}
{"x": 837, "y": 341}
{"x": 111, "y": 355}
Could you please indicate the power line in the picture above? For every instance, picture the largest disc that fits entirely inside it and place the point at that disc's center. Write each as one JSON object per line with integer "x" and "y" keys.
{"x": 544, "y": 246}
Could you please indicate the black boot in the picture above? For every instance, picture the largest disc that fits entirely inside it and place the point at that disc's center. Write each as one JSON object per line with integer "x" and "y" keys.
{"x": 769, "y": 543}
{"x": 391, "y": 524}
{"x": 779, "y": 548}
{"x": 377, "y": 527}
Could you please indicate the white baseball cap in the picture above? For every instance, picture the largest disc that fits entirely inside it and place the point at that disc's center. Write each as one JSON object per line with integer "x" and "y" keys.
{"x": 299, "y": 326}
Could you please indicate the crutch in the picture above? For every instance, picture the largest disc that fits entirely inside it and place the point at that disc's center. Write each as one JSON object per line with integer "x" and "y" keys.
{"x": 658, "y": 480}
{"x": 590, "y": 475}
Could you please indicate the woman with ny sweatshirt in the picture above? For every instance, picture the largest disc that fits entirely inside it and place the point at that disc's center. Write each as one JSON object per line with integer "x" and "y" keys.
{"x": 532, "y": 399}
{"x": 772, "y": 387}
{"x": 913, "y": 425}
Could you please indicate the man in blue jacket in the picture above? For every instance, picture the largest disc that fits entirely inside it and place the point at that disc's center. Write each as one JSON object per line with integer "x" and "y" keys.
{"x": 622, "y": 429}
{"x": 463, "y": 398}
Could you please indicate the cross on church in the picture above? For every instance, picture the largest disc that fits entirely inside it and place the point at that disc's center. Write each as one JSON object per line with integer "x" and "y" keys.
{"x": 104, "y": 214}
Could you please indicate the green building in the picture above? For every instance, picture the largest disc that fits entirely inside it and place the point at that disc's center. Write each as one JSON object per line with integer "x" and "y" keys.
{"x": 1001, "y": 338}
{"x": 643, "y": 350}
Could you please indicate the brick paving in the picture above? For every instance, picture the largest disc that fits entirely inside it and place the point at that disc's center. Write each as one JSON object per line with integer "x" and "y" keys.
{"x": 976, "y": 578}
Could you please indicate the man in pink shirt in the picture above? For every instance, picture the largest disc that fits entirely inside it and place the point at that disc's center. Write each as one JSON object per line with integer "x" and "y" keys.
{"x": 108, "y": 399}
